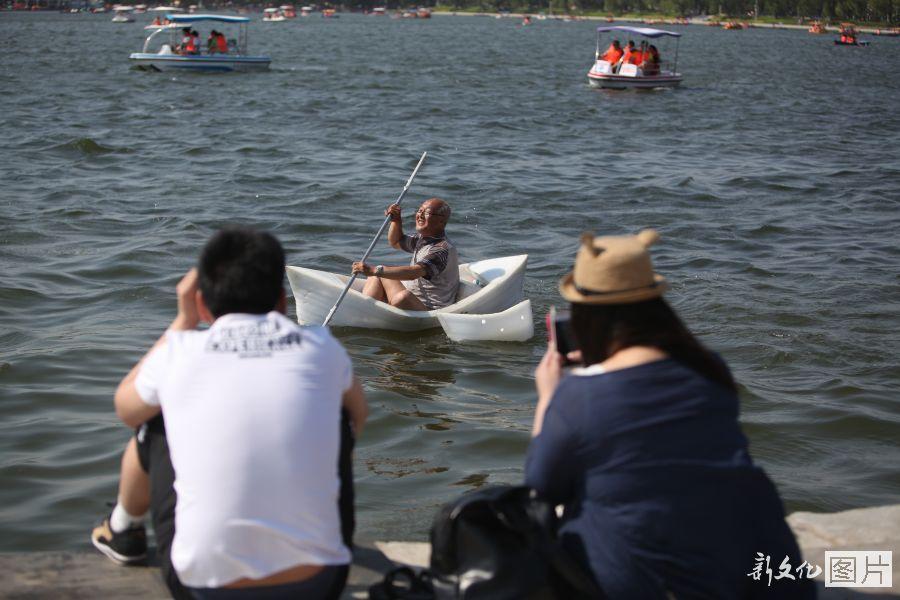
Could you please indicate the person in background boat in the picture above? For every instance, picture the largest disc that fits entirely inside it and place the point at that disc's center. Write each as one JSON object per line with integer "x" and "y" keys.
{"x": 259, "y": 422}
{"x": 651, "y": 62}
{"x": 212, "y": 45}
{"x": 613, "y": 53}
{"x": 626, "y": 53}
{"x": 156, "y": 21}
{"x": 196, "y": 39}
{"x": 637, "y": 55}
{"x": 187, "y": 41}
{"x": 221, "y": 43}
{"x": 432, "y": 277}
{"x": 642, "y": 446}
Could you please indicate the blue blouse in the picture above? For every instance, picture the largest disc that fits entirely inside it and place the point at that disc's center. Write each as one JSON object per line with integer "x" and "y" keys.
{"x": 659, "y": 489}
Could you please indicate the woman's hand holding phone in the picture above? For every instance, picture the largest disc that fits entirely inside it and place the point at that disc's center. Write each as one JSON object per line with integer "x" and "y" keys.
{"x": 546, "y": 378}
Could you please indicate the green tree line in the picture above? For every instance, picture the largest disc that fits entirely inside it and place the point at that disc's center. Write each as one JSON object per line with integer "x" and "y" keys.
{"x": 882, "y": 11}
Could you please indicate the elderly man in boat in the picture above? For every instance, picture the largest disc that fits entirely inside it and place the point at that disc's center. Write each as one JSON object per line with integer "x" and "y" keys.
{"x": 431, "y": 279}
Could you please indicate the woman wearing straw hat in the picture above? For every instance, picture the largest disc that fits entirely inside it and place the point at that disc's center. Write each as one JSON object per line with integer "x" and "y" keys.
{"x": 642, "y": 446}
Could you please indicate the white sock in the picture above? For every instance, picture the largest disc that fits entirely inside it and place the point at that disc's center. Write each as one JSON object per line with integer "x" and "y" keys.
{"x": 120, "y": 520}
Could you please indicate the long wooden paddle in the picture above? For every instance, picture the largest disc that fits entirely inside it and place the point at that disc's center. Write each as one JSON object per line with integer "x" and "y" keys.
{"x": 387, "y": 220}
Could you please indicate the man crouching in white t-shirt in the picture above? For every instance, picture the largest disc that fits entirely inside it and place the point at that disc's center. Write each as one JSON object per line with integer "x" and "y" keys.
{"x": 252, "y": 409}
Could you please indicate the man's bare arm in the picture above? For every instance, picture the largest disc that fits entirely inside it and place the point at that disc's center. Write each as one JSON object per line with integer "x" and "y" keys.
{"x": 399, "y": 273}
{"x": 354, "y": 400}
{"x": 395, "y": 231}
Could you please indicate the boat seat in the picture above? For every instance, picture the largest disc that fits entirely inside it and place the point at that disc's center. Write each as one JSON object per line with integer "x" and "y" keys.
{"x": 469, "y": 283}
{"x": 165, "y": 49}
{"x": 629, "y": 70}
{"x": 602, "y": 66}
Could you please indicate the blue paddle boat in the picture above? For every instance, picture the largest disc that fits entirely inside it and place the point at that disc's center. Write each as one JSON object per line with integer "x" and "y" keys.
{"x": 632, "y": 76}
{"x": 169, "y": 58}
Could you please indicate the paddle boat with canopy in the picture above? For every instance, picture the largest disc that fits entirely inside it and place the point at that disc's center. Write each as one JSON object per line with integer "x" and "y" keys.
{"x": 166, "y": 58}
{"x": 123, "y": 14}
{"x": 630, "y": 76}
{"x": 490, "y": 303}
{"x": 273, "y": 15}
{"x": 849, "y": 36}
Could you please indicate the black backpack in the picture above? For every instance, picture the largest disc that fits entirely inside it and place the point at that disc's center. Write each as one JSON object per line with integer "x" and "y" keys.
{"x": 499, "y": 542}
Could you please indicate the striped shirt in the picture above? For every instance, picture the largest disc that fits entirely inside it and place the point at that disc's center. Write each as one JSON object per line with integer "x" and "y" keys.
{"x": 437, "y": 288}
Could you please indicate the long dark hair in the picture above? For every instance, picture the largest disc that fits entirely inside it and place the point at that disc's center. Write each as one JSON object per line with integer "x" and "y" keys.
{"x": 604, "y": 329}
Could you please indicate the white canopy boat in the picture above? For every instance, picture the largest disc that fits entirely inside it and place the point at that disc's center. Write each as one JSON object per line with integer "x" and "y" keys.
{"x": 166, "y": 58}
{"x": 123, "y": 14}
{"x": 630, "y": 76}
{"x": 490, "y": 296}
{"x": 273, "y": 15}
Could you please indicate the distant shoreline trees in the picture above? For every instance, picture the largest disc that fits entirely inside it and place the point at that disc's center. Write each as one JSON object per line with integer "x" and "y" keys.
{"x": 869, "y": 11}
{"x": 881, "y": 11}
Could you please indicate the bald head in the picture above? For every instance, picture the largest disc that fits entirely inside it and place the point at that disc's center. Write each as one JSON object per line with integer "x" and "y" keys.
{"x": 432, "y": 217}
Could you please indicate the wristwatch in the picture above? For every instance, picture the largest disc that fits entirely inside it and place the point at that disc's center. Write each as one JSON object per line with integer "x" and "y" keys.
{"x": 379, "y": 270}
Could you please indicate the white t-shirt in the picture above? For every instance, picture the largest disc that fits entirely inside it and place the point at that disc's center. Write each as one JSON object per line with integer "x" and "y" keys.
{"x": 252, "y": 410}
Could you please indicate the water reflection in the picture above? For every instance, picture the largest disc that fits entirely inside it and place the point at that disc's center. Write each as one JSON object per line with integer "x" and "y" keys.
{"x": 401, "y": 363}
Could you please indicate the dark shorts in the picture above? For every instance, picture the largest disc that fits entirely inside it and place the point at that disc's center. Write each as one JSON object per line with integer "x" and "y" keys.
{"x": 153, "y": 454}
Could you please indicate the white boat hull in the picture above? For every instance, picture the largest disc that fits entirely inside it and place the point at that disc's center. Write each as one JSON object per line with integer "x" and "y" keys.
{"x": 629, "y": 77}
{"x": 615, "y": 82}
{"x": 212, "y": 63}
{"x": 315, "y": 292}
{"x": 515, "y": 324}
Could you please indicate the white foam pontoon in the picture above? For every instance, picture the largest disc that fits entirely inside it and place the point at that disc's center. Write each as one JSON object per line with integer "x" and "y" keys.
{"x": 490, "y": 303}
{"x": 629, "y": 76}
{"x": 166, "y": 59}
{"x": 273, "y": 15}
{"x": 123, "y": 14}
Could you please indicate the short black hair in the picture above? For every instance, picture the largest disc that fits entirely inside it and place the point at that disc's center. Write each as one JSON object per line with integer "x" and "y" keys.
{"x": 241, "y": 270}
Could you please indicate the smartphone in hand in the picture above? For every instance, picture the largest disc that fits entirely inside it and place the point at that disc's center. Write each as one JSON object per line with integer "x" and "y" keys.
{"x": 559, "y": 328}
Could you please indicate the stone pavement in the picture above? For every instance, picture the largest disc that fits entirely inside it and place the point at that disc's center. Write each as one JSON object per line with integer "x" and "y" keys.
{"x": 87, "y": 574}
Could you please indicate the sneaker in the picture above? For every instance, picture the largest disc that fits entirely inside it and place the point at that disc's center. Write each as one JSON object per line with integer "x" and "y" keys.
{"x": 125, "y": 548}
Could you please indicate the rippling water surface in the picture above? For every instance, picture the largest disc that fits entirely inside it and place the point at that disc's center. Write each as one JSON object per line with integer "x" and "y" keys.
{"x": 773, "y": 176}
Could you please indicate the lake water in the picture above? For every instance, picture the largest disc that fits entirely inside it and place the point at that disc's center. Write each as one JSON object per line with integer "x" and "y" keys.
{"x": 773, "y": 176}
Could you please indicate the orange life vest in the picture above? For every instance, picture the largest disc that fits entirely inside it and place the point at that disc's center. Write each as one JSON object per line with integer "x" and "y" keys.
{"x": 222, "y": 44}
{"x": 636, "y": 57}
{"x": 612, "y": 55}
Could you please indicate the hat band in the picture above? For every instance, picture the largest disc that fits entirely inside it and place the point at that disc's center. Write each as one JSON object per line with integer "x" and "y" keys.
{"x": 587, "y": 292}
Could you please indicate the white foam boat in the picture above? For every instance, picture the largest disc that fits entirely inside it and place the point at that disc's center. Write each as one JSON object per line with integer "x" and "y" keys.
{"x": 123, "y": 14}
{"x": 490, "y": 303}
{"x": 629, "y": 76}
{"x": 167, "y": 59}
{"x": 273, "y": 15}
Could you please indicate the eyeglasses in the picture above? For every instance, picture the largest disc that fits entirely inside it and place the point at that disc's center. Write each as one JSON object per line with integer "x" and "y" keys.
{"x": 427, "y": 213}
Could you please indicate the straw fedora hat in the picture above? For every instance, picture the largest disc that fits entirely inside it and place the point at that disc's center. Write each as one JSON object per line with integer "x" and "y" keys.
{"x": 613, "y": 270}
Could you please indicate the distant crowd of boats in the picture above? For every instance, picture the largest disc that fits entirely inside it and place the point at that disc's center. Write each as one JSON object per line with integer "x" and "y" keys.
{"x": 625, "y": 66}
